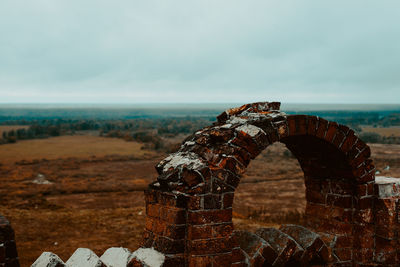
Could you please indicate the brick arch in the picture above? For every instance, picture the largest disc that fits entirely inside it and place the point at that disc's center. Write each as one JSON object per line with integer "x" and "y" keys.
{"x": 189, "y": 207}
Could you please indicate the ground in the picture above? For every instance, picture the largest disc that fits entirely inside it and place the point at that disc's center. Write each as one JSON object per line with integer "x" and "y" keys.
{"x": 85, "y": 191}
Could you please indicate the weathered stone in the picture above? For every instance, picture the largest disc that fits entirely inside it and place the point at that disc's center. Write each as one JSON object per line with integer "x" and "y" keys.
{"x": 116, "y": 257}
{"x": 149, "y": 257}
{"x": 84, "y": 257}
{"x": 48, "y": 259}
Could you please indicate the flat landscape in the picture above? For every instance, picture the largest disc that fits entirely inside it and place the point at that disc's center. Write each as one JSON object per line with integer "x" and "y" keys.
{"x": 66, "y": 192}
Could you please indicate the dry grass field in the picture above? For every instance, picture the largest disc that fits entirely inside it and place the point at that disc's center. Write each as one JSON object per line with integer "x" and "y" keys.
{"x": 77, "y": 146}
{"x": 6, "y": 128}
{"x": 85, "y": 191}
{"x": 384, "y": 131}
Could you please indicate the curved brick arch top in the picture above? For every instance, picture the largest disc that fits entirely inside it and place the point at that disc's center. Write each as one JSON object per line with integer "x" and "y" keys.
{"x": 212, "y": 159}
{"x": 189, "y": 207}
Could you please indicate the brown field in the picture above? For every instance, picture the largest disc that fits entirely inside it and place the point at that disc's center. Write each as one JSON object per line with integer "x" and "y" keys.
{"x": 384, "y": 131}
{"x": 92, "y": 192}
{"x": 77, "y": 146}
{"x": 6, "y": 128}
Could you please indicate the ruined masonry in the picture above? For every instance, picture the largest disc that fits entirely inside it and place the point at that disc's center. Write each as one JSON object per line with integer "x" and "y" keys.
{"x": 351, "y": 216}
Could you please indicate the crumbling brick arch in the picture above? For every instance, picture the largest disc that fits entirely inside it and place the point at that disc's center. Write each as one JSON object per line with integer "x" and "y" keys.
{"x": 189, "y": 207}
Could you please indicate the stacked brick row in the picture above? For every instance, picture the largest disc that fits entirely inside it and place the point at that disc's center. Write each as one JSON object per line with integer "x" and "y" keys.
{"x": 386, "y": 218}
{"x": 8, "y": 249}
{"x": 291, "y": 245}
{"x": 166, "y": 222}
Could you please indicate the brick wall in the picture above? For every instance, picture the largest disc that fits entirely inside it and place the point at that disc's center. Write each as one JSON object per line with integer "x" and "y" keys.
{"x": 8, "y": 249}
{"x": 203, "y": 174}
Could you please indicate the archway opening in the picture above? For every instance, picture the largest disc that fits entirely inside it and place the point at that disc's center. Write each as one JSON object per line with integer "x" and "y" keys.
{"x": 271, "y": 192}
{"x": 300, "y": 191}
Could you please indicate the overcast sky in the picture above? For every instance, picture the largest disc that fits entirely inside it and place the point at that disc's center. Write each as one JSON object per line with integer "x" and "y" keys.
{"x": 200, "y": 51}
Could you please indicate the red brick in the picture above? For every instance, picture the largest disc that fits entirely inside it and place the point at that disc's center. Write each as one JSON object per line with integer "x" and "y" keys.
{"x": 222, "y": 230}
{"x": 314, "y": 210}
{"x": 212, "y": 201}
{"x": 342, "y": 188}
{"x": 352, "y": 153}
{"x": 363, "y": 203}
{"x": 228, "y": 200}
{"x": 174, "y": 260}
{"x": 364, "y": 255}
{"x": 210, "y": 246}
{"x": 385, "y": 250}
{"x": 191, "y": 177}
{"x": 219, "y": 186}
{"x": 169, "y": 246}
{"x": 364, "y": 216}
{"x": 195, "y": 202}
{"x": 257, "y": 260}
{"x": 301, "y": 124}
{"x": 366, "y": 178}
{"x": 315, "y": 196}
{"x": 153, "y": 210}
{"x": 292, "y": 125}
{"x": 339, "y": 201}
{"x": 173, "y": 215}
{"x": 222, "y": 259}
{"x": 210, "y": 216}
{"x": 344, "y": 242}
{"x": 297, "y": 124}
{"x": 159, "y": 227}
{"x": 348, "y": 142}
{"x": 199, "y": 232}
{"x": 322, "y": 127}
{"x": 170, "y": 199}
{"x": 204, "y": 261}
{"x": 237, "y": 255}
{"x": 226, "y": 176}
{"x": 312, "y": 125}
{"x": 220, "y": 135}
{"x": 150, "y": 196}
{"x": 365, "y": 189}
{"x": 363, "y": 240}
{"x": 339, "y": 138}
{"x": 334, "y": 227}
{"x": 232, "y": 164}
{"x": 240, "y": 264}
{"x": 245, "y": 141}
{"x": 147, "y": 239}
{"x": 331, "y": 131}
{"x": 175, "y": 231}
{"x": 344, "y": 254}
{"x": 359, "y": 172}
{"x": 362, "y": 157}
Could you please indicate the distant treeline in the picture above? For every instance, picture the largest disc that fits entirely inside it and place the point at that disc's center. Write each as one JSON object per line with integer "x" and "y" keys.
{"x": 143, "y": 130}
{"x": 151, "y": 130}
